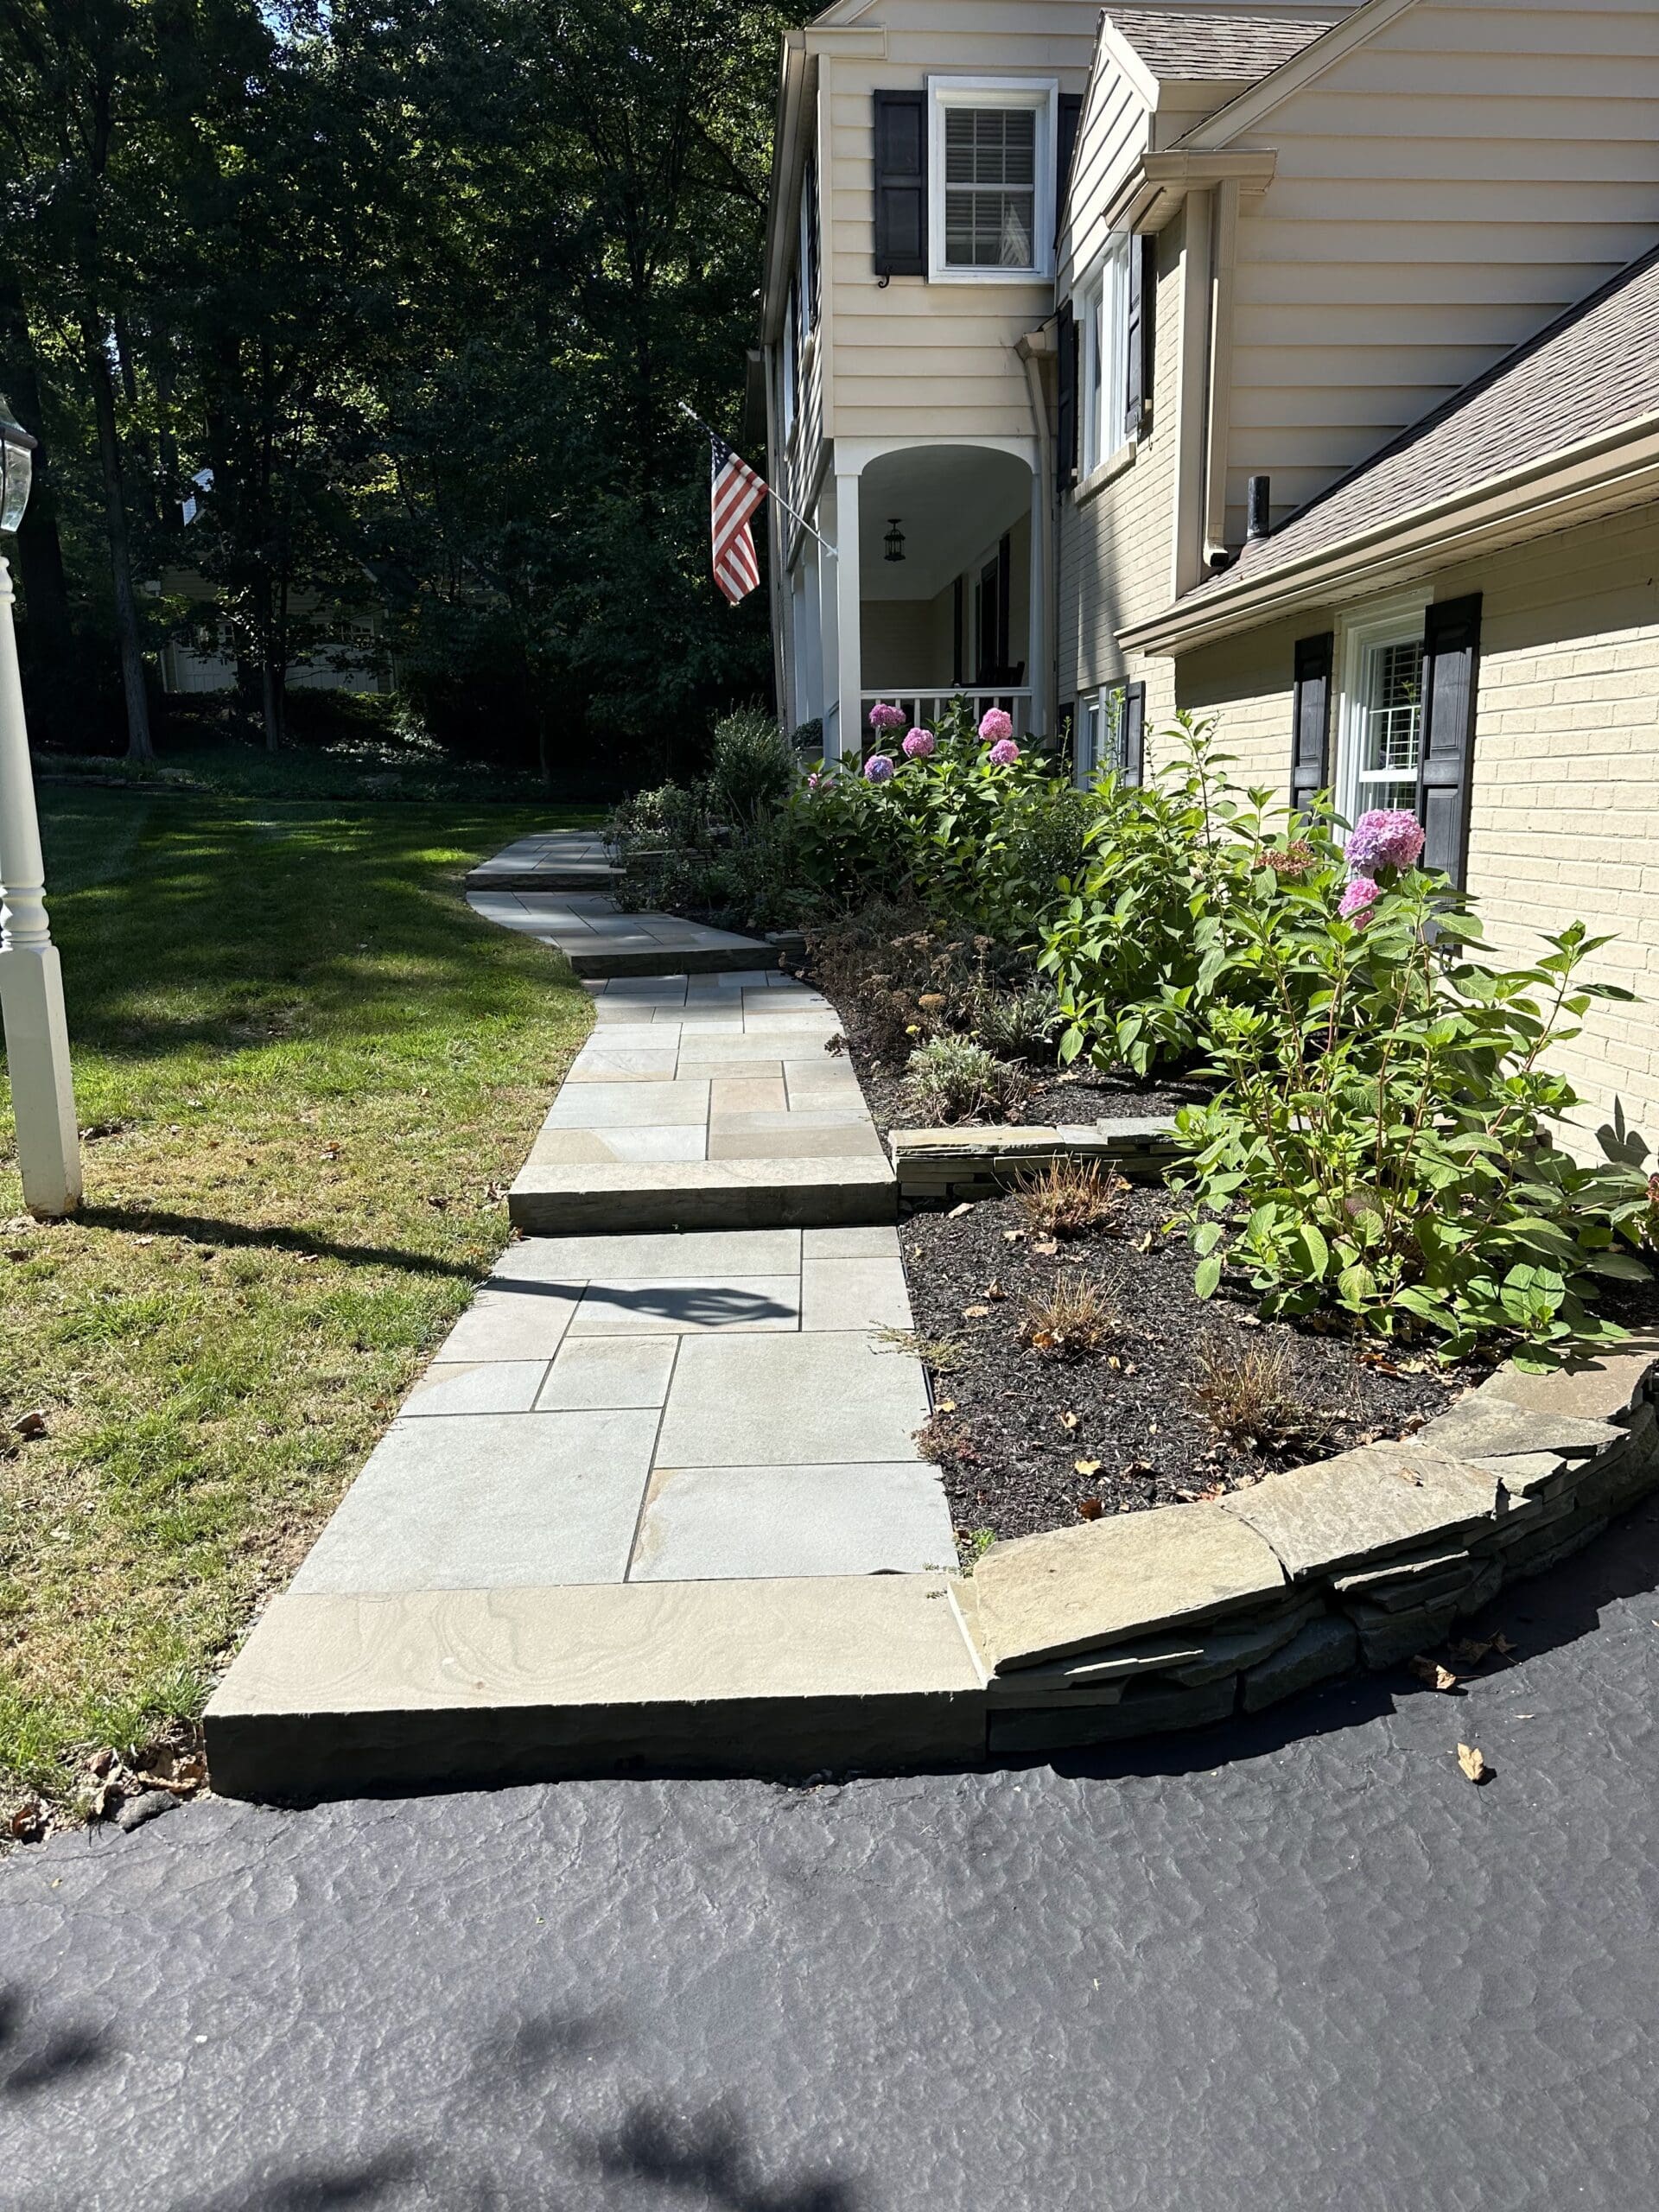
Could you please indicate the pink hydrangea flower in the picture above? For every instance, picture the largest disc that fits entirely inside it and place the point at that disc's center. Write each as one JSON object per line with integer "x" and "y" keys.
{"x": 1359, "y": 898}
{"x": 813, "y": 782}
{"x": 1005, "y": 751}
{"x": 1386, "y": 837}
{"x": 919, "y": 744}
{"x": 997, "y": 727}
{"x": 884, "y": 717}
{"x": 878, "y": 769}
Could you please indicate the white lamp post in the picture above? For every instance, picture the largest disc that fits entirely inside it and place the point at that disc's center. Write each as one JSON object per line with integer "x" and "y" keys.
{"x": 31, "y": 980}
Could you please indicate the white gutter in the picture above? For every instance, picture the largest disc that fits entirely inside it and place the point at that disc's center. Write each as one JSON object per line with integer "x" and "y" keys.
{"x": 1033, "y": 347}
{"x": 1615, "y": 468}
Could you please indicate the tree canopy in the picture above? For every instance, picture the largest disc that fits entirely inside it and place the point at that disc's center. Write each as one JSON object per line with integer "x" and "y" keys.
{"x": 422, "y": 283}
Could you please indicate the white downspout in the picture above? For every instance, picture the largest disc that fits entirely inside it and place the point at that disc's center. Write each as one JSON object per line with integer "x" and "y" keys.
{"x": 1032, "y": 348}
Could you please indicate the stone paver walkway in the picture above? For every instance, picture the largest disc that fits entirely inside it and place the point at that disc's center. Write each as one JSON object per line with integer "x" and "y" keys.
{"x": 706, "y": 1101}
{"x": 692, "y": 1394}
{"x": 598, "y": 940}
{"x": 655, "y": 1408}
{"x": 553, "y": 860}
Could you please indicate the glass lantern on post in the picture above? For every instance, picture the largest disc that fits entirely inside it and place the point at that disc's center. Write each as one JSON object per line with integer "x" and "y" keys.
{"x": 31, "y": 980}
{"x": 17, "y": 469}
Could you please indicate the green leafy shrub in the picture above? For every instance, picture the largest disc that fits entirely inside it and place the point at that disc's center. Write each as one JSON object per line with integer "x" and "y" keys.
{"x": 753, "y": 770}
{"x": 953, "y": 1079}
{"x": 1140, "y": 946}
{"x": 1381, "y": 1145}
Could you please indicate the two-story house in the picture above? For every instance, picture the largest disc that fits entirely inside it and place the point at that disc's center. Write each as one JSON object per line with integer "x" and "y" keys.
{"x": 1357, "y": 423}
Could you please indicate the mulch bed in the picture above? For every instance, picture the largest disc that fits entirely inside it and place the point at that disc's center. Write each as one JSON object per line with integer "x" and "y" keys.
{"x": 1012, "y": 1424}
{"x": 1057, "y": 1098}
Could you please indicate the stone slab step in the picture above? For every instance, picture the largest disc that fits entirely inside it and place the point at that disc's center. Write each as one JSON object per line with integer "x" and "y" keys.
{"x": 567, "y": 876}
{"x": 703, "y": 1194}
{"x": 602, "y": 964}
{"x": 344, "y": 1696}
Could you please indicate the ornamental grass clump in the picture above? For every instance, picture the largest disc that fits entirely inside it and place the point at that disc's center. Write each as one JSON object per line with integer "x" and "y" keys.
{"x": 1380, "y": 1144}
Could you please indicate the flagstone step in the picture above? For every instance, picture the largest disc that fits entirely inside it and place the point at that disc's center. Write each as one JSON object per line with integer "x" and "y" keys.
{"x": 353, "y": 1693}
{"x": 703, "y": 1194}
{"x": 572, "y": 876}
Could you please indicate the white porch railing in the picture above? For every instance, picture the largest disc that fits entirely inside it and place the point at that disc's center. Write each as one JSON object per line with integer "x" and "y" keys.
{"x": 925, "y": 708}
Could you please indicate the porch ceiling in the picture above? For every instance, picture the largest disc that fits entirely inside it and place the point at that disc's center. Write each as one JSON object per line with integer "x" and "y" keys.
{"x": 953, "y": 503}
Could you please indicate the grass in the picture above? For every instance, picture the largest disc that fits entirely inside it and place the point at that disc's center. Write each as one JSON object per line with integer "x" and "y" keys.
{"x": 309, "y": 1071}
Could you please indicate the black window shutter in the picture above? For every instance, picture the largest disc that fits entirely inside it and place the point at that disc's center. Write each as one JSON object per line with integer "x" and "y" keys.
{"x": 814, "y": 242}
{"x": 901, "y": 184}
{"x": 1065, "y": 400}
{"x": 1135, "y": 343}
{"x": 1143, "y": 284}
{"x": 1135, "y": 733}
{"x": 1446, "y": 758}
{"x": 1070, "y": 115}
{"x": 1310, "y": 740}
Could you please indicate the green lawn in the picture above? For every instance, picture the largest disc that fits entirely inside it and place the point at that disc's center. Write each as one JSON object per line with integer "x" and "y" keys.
{"x": 310, "y": 1070}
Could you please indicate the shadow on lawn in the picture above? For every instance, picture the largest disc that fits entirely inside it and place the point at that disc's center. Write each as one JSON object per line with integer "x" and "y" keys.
{"x": 197, "y": 1228}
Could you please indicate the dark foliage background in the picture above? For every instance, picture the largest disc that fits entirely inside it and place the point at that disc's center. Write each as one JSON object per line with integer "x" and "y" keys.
{"x": 422, "y": 282}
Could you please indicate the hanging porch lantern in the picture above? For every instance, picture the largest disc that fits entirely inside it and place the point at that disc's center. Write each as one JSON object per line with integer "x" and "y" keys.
{"x": 894, "y": 540}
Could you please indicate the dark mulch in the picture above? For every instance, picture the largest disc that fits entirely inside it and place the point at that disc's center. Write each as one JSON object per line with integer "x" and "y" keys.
{"x": 1008, "y": 1457}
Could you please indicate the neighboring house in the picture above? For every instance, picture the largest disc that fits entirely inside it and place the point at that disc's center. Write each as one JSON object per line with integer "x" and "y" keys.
{"x": 335, "y": 651}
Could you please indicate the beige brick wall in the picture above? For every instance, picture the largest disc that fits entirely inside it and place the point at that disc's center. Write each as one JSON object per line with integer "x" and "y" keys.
{"x": 1565, "y": 819}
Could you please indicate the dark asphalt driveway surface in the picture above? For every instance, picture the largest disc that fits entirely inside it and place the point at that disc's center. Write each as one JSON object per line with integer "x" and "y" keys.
{"x": 1296, "y": 1965}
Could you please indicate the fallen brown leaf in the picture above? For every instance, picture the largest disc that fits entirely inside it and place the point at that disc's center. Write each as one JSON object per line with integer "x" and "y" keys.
{"x": 1045, "y": 1248}
{"x": 956, "y": 1212}
{"x": 1069, "y": 1421}
{"x": 1472, "y": 1764}
{"x": 975, "y": 1313}
{"x": 1086, "y": 1467}
{"x": 31, "y": 1424}
{"x": 1501, "y": 1645}
{"x": 28, "y": 1822}
{"x": 1406, "y": 1476}
{"x": 994, "y": 1290}
{"x": 1431, "y": 1671}
{"x": 1469, "y": 1651}
{"x": 1090, "y": 1508}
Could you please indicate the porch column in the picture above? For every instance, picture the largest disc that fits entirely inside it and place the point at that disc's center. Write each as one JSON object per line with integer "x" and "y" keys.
{"x": 849, "y": 642}
{"x": 829, "y": 704}
{"x": 1037, "y": 655}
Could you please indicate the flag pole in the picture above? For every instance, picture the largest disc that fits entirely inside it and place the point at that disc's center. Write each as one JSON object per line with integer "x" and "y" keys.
{"x": 771, "y": 492}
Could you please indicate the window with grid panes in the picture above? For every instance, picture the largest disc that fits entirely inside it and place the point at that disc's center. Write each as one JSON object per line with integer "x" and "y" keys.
{"x": 990, "y": 188}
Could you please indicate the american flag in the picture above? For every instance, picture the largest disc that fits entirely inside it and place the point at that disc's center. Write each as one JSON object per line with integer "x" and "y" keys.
{"x": 735, "y": 493}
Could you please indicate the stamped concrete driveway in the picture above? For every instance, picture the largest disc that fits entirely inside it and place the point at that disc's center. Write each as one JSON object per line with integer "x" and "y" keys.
{"x": 1298, "y": 1966}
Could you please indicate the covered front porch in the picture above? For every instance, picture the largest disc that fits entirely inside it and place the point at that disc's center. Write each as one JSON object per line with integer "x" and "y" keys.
{"x": 934, "y": 590}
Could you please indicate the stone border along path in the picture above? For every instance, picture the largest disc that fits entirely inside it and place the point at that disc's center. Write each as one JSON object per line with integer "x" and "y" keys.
{"x": 656, "y": 1505}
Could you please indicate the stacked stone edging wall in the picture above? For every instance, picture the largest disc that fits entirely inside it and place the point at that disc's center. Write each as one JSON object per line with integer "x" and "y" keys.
{"x": 1185, "y": 1614}
{"x": 940, "y": 1166}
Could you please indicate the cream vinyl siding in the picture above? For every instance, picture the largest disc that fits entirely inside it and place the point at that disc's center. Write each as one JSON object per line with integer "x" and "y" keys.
{"x": 1114, "y": 130}
{"x": 1115, "y": 542}
{"x": 1566, "y": 781}
{"x": 1442, "y": 192}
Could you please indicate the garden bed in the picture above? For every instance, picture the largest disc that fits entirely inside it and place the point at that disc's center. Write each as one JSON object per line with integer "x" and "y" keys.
{"x": 1057, "y": 1099}
{"x": 1012, "y": 1422}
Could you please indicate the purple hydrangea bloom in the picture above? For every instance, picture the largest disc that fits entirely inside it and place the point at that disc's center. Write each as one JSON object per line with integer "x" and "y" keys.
{"x": 997, "y": 727}
{"x": 1359, "y": 898}
{"x": 1386, "y": 837}
{"x": 884, "y": 717}
{"x": 813, "y": 782}
{"x": 919, "y": 744}
{"x": 1005, "y": 751}
{"x": 878, "y": 769}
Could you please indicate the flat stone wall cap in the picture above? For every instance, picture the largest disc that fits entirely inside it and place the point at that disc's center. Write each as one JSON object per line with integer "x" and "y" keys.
{"x": 1045, "y": 1597}
{"x": 1595, "y": 1386}
{"x": 1479, "y": 1427}
{"x": 1381, "y": 1498}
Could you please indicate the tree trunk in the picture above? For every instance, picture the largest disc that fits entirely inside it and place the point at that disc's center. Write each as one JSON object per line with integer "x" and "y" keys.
{"x": 139, "y": 746}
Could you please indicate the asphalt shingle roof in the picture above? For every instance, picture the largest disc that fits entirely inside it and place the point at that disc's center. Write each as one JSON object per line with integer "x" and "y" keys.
{"x": 1195, "y": 45}
{"x": 1596, "y": 367}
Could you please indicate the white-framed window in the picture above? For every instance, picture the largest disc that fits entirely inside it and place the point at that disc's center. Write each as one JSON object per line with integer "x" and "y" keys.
{"x": 991, "y": 179}
{"x": 1102, "y": 311}
{"x": 1380, "y": 719}
{"x": 1100, "y": 740}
